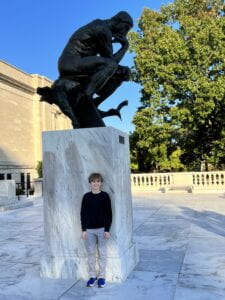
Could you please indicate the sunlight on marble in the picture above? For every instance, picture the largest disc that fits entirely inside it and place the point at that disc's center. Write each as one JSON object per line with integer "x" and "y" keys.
{"x": 180, "y": 258}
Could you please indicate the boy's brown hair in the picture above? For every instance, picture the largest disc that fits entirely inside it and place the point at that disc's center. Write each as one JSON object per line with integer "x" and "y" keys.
{"x": 94, "y": 176}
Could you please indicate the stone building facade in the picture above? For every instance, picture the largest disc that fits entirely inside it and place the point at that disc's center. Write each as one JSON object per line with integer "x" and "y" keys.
{"x": 22, "y": 119}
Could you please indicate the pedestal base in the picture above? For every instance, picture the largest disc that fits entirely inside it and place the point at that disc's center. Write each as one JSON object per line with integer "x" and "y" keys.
{"x": 117, "y": 268}
{"x": 68, "y": 159}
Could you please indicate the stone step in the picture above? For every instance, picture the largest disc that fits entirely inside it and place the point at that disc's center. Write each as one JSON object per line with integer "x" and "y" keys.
{"x": 15, "y": 205}
{"x": 4, "y": 200}
{"x": 188, "y": 189}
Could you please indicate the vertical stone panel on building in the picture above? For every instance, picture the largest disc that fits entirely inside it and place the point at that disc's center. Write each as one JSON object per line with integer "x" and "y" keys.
{"x": 22, "y": 119}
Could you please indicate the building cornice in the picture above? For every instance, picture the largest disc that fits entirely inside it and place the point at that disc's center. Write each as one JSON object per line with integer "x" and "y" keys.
{"x": 17, "y": 84}
{"x": 14, "y": 165}
{"x": 20, "y": 167}
{"x": 13, "y": 67}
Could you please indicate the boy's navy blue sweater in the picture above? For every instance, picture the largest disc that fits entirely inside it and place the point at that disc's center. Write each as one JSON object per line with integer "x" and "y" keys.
{"x": 96, "y": 211}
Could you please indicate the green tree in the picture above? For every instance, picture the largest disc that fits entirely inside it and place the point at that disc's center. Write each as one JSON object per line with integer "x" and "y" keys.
{"x": 39, "y": 169}
{"x": 180, "y": 63}
{"x": 152, "y": 142}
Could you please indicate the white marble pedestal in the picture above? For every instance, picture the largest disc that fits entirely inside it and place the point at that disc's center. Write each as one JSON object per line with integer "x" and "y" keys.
{"x": 69, "y": 156}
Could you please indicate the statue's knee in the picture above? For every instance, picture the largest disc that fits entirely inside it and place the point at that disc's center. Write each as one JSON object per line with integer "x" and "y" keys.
{"x": 111, "y": 65}
{"x": 124, "y": 73}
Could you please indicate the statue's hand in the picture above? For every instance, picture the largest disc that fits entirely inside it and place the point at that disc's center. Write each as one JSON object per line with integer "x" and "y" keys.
{"x": 122, "y": 39}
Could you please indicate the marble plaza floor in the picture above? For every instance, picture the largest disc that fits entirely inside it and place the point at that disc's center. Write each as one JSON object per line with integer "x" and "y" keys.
{"x": 181, "y": 240}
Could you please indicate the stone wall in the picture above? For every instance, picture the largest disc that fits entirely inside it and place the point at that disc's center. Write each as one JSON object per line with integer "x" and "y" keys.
{"x": 22, "y": 119}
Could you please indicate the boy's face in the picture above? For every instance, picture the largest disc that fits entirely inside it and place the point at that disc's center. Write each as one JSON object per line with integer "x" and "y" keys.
{"x": 96, "y": 184}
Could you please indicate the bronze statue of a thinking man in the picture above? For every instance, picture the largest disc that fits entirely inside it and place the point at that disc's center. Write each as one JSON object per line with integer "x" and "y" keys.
{"x": 89, "y": 71}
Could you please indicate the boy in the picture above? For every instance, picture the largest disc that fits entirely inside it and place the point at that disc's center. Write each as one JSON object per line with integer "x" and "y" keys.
{"x": 96, "y": 219}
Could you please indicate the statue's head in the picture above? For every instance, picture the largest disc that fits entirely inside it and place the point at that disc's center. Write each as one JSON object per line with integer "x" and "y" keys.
{"x": 121, "y": 23}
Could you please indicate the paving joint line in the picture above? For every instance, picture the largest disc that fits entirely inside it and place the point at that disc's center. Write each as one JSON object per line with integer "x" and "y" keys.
{"x": 179, "y": 273}
{"x": 148, "y": 218}
{"x": 68, "y": 290}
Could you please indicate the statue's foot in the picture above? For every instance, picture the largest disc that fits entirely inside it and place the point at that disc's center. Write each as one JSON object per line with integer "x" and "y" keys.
{"x": 113, "y": 111}
{"x": 75, "y": 124}
{"x": 122, "y": 104}
{"x": 46, "y": 94}
{"x": 119, "y": 107}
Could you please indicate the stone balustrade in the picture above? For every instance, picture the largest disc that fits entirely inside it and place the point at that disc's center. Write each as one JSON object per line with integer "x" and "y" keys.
{"x": 190, "y": 181}
{"x": 7, "y": 188}
{"x": 38, "y": 187}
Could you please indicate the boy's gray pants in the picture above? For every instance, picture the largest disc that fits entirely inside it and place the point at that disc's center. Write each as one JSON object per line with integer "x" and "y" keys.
{"x": 96, "y": 237}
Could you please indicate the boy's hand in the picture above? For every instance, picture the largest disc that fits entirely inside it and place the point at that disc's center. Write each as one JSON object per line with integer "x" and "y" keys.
{"x": 84, "y": 235}
{"x": 107, "y": 235}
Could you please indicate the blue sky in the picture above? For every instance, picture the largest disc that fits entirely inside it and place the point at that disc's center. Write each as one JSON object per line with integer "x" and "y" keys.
{"x": 34, "y": 33}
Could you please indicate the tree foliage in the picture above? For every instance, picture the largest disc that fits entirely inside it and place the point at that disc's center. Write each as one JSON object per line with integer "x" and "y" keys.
{"x": 39, "y": 169}
{"x": 180, "y": 64}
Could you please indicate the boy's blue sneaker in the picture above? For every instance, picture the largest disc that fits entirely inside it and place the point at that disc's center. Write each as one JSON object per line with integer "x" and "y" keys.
{"x": 91, "y": 282}
{"x": 101, "y": 282}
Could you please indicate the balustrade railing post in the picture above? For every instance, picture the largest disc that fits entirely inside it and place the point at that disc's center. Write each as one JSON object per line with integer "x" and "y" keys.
{"x": 200, "y": 181}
